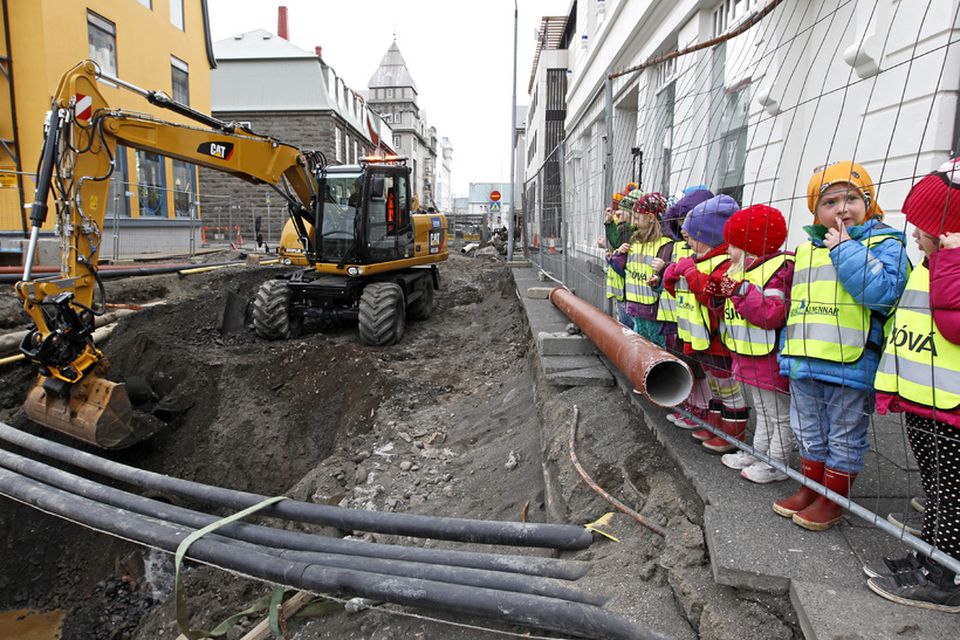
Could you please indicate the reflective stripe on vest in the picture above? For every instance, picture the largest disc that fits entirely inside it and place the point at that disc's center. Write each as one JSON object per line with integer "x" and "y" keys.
{"x": 638, "y": 269}
{"x": 743, "y": 337}
{"x": 825, "y": 321}
{"x": 693, "y": 321}
{"x": 615, "y": 284}
{"x": 918, "y": 363}
{"x": 667, "y": 311}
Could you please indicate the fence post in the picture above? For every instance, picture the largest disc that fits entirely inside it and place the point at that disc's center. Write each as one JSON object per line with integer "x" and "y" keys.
{"x": 564, "y": 228}
{"x": 608, "y": 138}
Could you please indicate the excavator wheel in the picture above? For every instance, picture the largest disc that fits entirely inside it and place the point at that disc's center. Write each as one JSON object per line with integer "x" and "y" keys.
{"x": 381, "y": 314}
{"x": 273, "y": 316}
{"x": 422, "y": 307}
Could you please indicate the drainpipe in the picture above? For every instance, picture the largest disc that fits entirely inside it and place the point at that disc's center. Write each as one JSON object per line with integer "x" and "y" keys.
{"x": 660, "y": 376}
{"x": 13, "y": 119}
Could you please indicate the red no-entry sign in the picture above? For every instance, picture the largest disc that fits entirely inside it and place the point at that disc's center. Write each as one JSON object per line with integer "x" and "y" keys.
{"x": 495, "y": 196}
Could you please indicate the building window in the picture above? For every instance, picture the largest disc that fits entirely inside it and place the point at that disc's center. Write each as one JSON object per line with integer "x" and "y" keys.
{"x": 337, "y": 144}
{"x": 176, "y": 14}
{"x": 184, "y": 188}
{"x": 396, "y": 142}
{"x": 181, "y": 80}
{"x": 147, "y": 3}
{"x": 102, "y": 41}
{"x": 356, "y": 151}
{"x": 119, "y": 204}
{"x": 151, "y": 185}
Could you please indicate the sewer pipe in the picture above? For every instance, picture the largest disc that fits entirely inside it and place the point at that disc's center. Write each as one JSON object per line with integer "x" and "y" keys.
{"x": 553, "y": 614}
{"x": 259, "y": 537}
{"x": 660, "y": 376}
{"x": 554, "y": 536}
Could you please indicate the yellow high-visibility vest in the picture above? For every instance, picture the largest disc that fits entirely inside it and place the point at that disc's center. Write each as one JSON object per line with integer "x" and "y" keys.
{"x": 918, "y": 363}
{"x": 825, "y": 321}
{"x": 639, "y": 268}
{"x": 667, "y": 311}
{"x": 739, "y": 335}
{"x": 615, "y": 283}
{"x": 693, "y": 321}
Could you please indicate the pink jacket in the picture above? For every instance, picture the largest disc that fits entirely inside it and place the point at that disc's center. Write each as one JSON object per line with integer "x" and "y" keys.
{"x": 766, "y": 308}
{"x": 944, "y": 269}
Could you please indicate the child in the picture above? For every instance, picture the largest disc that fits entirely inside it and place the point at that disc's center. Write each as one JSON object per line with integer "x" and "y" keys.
{"x": 922, "y": 379}
{"x": 647, "y": 251}
{"x": 753, "y": 293}
{"x": 671, "y": 226}
{"x": 846, "y": 280}
{"x": 618, "y": 228}
{"x": 697, "y": 324}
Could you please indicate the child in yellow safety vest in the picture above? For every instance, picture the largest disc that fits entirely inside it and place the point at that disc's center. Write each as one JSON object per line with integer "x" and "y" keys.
{"x": 641, "y": 260}
{"x": 846, "y": 280}
{"x": 618, "y": 228}
{"x": 671, "y": 225}
{"x": 752, "y": 295}
{"x": 698, "y": 322}
{"x": 919, "y": 374}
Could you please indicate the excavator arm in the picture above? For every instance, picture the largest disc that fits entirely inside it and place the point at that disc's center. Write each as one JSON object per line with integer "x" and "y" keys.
{"x": 82, "y": 133}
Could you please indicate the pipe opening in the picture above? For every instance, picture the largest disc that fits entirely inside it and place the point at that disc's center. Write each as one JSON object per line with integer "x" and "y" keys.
{"x": 669, "y": 383}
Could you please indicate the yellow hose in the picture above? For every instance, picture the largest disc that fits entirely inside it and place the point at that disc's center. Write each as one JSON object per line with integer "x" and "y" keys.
{"x": 11, "y": 359}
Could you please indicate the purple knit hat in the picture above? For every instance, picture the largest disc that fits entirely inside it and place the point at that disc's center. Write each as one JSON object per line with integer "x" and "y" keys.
{"x": 705, "y": 221}
{"x": 674, "y": 215}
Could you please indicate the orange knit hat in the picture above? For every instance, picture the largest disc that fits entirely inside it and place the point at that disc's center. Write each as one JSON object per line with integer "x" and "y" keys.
{"x": 848, "y": 172}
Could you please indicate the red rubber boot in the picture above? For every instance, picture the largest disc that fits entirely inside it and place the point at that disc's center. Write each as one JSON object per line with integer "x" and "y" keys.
{"x": 823, "y": 513}
{"x": 733, "y": 423}
{"x": 714, "y": 419}
{"x": 804, "y": 497}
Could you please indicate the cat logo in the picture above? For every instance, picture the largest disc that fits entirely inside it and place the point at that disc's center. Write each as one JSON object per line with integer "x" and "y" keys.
{"x": 219, "y": 150}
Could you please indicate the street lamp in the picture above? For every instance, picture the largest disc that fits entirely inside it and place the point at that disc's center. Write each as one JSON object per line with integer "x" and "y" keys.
{"x": 513, "y": 133}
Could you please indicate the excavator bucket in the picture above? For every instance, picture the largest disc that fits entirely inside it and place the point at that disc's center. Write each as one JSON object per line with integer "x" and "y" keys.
{"x": 94, "y": 410}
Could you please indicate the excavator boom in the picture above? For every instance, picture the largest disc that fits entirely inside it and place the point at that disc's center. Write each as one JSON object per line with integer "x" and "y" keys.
{"x": 72, "y": 395}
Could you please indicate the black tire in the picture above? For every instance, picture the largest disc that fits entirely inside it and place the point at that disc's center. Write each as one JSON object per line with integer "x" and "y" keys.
{"x": 381, "y": 314}
{"x": 273, "y": 316}
{"x": 422, "y": 308}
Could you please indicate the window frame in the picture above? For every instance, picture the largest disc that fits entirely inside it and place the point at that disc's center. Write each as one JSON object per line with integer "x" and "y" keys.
{"x": 191, "y": 187}
{"x": 337, "y": 144}
{"x": 161, "y": 209}
{"x": 183, "y": 17}
{"x": 108, "y": 28}
{"x": 178, "y": 65}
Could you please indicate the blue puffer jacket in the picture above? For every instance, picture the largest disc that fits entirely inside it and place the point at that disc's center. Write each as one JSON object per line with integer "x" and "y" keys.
{"x": 875, "y": 277}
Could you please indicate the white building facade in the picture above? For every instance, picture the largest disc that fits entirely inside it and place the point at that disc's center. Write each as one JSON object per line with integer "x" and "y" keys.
{"x": 812, "y": 82}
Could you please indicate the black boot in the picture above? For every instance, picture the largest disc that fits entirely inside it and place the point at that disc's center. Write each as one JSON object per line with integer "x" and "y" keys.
{"x": 929, "y": 587}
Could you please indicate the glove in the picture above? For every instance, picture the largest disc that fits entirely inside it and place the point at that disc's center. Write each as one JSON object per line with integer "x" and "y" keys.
{"x": 726, "y": 287}
{"x": 685, "y": 264}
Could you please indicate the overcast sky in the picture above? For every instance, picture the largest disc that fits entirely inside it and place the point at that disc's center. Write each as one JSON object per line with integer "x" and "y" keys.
{"x": 460, "y": 55}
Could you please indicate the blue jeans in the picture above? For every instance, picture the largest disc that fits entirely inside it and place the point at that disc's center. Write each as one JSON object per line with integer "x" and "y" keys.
{"x": 620, "y": 308}
{"x": 830, "y": 423}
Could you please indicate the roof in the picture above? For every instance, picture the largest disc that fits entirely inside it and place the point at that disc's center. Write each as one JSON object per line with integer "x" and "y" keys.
{"x": 258, "y": 44}
{"x": 392, "y": 71}
{"x": 550, "y": 34}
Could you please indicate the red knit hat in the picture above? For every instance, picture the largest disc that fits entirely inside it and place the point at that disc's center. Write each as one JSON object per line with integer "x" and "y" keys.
{"x": 759, "y": 230}
{"x": 933, "y": 204}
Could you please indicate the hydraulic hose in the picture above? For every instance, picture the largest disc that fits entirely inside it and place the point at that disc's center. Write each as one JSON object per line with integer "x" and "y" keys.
{"x": 557, "y": 536}
{"x": 259, "y": 537}
{"x": 538, "y": 611}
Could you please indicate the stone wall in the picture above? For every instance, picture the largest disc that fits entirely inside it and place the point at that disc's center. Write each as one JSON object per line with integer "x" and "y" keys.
{"x": 227, "y": 201}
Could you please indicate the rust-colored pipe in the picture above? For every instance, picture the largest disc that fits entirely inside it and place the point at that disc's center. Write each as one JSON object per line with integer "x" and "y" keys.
{"x": 660, "y": 376}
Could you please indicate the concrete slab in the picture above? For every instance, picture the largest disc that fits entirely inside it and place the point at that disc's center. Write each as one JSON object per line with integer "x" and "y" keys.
{"x": 555, "y": 364}
{"x": 539, "y": 293}
{"x": 563, "y": 344}
{"x": 598, "y": 376}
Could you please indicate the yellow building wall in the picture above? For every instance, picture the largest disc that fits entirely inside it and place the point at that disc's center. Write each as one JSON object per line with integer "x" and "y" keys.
{"x": 47, "y": 37}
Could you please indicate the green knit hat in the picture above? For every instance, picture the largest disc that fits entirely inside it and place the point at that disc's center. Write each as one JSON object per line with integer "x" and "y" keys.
{"x": 627, "y": 202}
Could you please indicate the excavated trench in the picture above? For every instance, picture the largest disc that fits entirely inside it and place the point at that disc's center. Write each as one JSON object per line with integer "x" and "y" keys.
{"x": 446, "y": 423}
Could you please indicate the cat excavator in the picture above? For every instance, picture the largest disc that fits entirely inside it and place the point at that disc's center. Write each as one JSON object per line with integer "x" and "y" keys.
{"x": 367, "y": 258}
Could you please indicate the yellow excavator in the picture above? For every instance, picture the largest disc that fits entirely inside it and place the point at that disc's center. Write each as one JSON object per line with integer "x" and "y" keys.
{"x": 367, "y": 258}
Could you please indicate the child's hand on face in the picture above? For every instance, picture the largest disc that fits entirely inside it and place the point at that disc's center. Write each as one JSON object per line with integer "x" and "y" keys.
{"x": 950, "y": 240}
{"x": 602, "y": 243}
{"x": 836, "y": 235}
{"x": 608, "y": 215}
